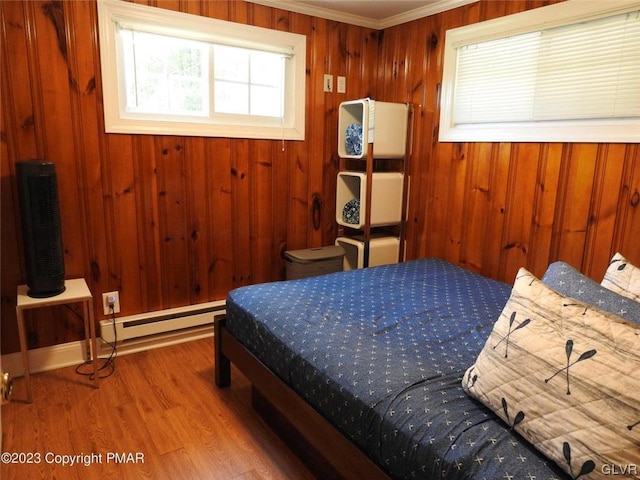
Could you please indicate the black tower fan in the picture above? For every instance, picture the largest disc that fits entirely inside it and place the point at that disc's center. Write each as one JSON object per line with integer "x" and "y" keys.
{"x": 41, "y": 229}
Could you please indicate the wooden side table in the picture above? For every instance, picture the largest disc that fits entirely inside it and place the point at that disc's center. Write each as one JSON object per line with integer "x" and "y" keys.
{"x": 76, "y": 291}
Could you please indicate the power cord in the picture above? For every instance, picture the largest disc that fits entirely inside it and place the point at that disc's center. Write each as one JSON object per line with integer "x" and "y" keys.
{"x": 109, "y": 364}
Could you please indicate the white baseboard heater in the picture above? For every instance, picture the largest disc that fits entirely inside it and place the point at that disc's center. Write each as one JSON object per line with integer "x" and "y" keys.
{"x": 161, "y": 321}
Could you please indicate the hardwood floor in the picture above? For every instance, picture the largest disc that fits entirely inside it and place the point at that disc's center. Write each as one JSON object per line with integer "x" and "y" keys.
{"x": 160, "y": 408}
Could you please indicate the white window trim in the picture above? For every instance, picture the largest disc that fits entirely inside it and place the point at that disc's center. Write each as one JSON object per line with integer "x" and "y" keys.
{"x": 111, "y": 13}
{"x": 579, "y": 131}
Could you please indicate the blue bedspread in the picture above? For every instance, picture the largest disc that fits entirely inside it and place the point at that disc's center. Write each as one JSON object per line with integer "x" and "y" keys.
{"x": 380, "y": 353}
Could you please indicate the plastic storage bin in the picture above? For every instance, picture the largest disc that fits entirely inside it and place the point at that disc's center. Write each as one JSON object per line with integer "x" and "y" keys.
{"x": 386, "y": 197}
{"x": 382, "y": 123}
{"x": 383, "y": 250}
{"x": 314, "y": 261}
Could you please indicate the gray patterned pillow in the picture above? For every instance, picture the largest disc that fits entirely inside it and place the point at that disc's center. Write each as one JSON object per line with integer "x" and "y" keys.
{"x": 565, "y": 279}
{"x": 622, "y": 277}
{"x": 564, "y": 375}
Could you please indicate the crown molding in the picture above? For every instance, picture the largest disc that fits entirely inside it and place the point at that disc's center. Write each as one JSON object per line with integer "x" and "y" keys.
{"x": 362, "y": 21}
{"x": 438, "y": 6}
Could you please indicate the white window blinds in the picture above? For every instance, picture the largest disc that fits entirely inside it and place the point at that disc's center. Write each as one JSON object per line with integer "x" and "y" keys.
{"x": 587, "y": 70}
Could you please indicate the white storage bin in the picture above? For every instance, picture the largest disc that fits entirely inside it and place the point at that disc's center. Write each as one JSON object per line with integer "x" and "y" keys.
{"x": 383, "y": 123}
{"x": 386, "y": 197}
{"x": 383, "y": 250}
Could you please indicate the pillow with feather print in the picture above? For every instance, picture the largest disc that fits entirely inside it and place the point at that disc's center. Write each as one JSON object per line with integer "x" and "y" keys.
{"x": 623, "y": 278}
{"x": 564, "y": 375}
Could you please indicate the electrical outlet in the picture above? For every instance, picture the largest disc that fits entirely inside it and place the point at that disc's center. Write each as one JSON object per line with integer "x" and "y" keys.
{"x": 109, "y": 299}
{"x": 328, "y": 83}
{"x": 342, "y": 84}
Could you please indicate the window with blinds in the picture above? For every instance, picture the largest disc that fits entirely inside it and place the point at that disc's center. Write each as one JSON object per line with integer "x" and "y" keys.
{"x": 576, "y": 79}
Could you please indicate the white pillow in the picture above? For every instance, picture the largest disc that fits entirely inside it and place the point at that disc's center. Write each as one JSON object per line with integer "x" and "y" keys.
{"x": 565, "y": 376}
{"x": 623, "y": 278}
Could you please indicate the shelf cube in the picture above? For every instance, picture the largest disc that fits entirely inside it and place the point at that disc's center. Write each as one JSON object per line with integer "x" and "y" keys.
{"x": 383, "y": 124}
{"x": 383, "y": 250}
{"x": 386, "y": 197}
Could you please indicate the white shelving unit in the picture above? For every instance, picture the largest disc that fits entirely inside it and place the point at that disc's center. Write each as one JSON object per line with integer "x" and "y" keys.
{"x": 370, "y": 132}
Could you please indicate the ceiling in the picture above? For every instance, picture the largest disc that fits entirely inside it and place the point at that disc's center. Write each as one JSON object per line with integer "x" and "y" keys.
{"x": 376, "y": 14}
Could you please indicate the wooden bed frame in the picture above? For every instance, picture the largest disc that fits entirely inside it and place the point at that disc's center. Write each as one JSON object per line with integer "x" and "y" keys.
{"x": 324, "y": 443}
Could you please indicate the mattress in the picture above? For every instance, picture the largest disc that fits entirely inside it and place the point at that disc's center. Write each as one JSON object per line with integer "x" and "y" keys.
{"x": 380, "y": 353}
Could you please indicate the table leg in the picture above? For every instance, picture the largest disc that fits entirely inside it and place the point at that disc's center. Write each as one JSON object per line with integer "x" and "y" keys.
{"x": 88, "y": 316}
{"x": 25, "y": 355}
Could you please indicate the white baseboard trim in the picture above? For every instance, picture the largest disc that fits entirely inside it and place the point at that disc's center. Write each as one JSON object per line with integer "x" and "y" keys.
{"x": 46, "y": 358}
{"x": 73, "y": 353}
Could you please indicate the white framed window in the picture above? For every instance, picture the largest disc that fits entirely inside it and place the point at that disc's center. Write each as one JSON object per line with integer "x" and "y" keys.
{"x": 568, "y": 72}
{"x": 172, "y": 73}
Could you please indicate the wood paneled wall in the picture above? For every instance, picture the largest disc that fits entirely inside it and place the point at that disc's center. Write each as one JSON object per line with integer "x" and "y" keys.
{"x": 168, "y": 221}
{"x": 171, "y": 221}
{"x": 494, "y": 207}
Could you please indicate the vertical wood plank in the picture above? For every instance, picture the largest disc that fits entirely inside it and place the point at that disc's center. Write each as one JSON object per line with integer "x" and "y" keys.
{"x": 261, "y": 184}
{"x": 476, "y": 206}
{"x": 499, "y": 181}
{"x": 198, "y": 226}
{"x": 173, "y": 192}
{"x": 241, "y": 220}
{"x": 454, "y": 202}
{"x": 323, "y": 145}
{"x": 415, "y": 97}
{"x": 220, "y": 263}
{"x": 545, "y": 200}
{"x": 573, "y": 216}
{"x": 519, "y": 209}
{"x": 149, "y": 237}
{"x": 35, "y": 77}
{"x": 605, "y": 198}
{"x": 17, "y": 82}
{"x": 627, "y": 229}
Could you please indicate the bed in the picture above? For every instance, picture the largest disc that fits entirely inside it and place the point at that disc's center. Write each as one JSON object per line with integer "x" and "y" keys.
{"x": 368, "y": 367}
